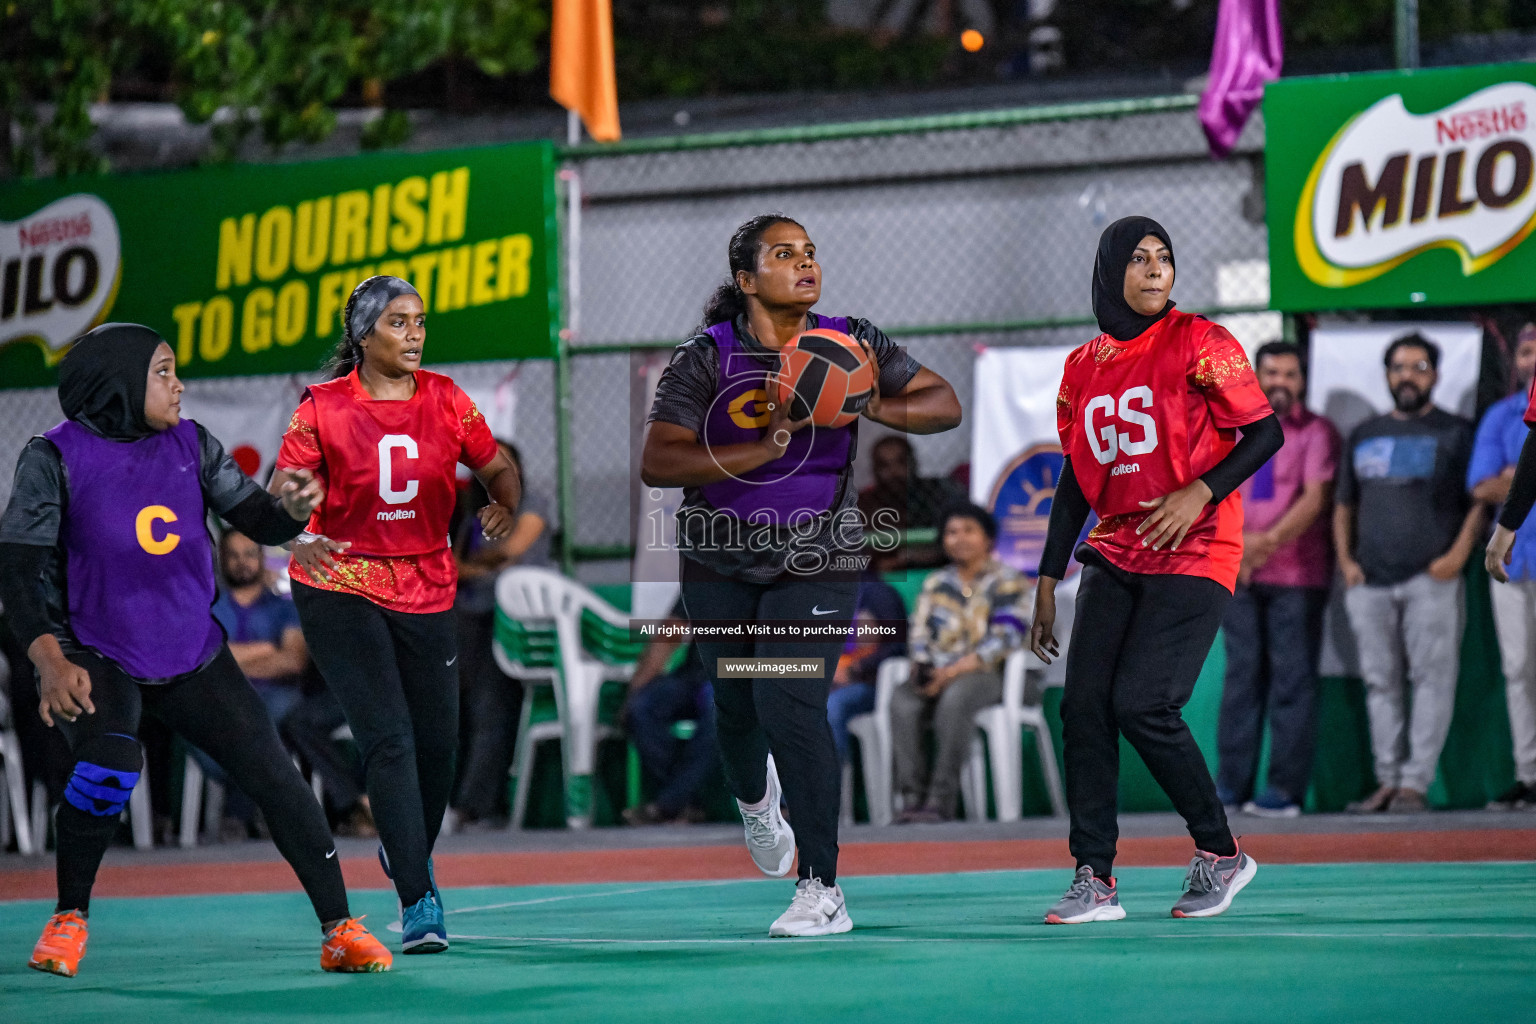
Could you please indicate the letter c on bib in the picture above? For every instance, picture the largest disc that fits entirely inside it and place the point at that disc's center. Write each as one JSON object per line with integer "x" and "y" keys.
{"x": 144, "y": 528}
{"x": 391, "y": 494}
{"x": 758, "y": 417}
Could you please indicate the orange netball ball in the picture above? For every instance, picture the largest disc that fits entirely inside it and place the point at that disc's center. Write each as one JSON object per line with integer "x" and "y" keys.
{"x": 825, "y": 375}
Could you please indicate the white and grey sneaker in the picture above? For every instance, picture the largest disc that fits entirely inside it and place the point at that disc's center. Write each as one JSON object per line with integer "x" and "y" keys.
{"x": 770, "y": 840}
{"x": 1212, "y": 881}
{"x": 1088, "y": 899}
{"x": 815, "y": 910}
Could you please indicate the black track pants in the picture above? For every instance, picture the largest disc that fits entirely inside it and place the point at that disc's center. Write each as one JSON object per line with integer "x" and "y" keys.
{"x": 396, "y": 675}
{"x": 784, "y": 717}
{"x": 1138, "y": 644}
{"x": 216, "y": 710}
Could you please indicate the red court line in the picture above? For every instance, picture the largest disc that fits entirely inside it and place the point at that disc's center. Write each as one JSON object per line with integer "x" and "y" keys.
{"x": 667, "y": 864}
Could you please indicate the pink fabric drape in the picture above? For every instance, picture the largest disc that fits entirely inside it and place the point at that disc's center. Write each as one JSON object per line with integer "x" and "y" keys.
{"x": 1247, "y": 54}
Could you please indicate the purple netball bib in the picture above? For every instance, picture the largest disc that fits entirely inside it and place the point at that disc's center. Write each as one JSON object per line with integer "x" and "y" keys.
{"x": 138, "y": 561}
{"x": 801, "y": 483}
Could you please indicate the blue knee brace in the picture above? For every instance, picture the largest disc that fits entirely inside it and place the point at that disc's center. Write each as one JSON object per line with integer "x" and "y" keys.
{"x": 100, "y": 791}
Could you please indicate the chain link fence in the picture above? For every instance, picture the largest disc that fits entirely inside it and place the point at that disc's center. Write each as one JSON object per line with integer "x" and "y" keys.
{"x": 950, "y": 233}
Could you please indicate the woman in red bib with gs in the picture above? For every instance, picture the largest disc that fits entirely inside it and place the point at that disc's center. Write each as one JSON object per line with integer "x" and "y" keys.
{"x": 1148, "y": 412}
{"x": 374, "y": 589}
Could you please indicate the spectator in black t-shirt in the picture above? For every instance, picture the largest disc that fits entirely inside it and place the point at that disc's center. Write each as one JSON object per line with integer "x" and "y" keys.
{"x": 1404, "y": 527}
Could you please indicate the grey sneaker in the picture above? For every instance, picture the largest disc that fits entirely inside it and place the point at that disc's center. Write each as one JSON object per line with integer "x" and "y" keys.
{"x": 1087, "y": 900}
{"x": 816, "y": 910}
{"x": 1212, "y": 881}
{"x": 770, "y": 840}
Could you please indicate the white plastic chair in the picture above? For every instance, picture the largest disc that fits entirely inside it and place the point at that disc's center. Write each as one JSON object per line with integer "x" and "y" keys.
{"x": 14, "y": 811}
{"x": 40, "y": 812}
{"x": 140, "y": 816}
{"x": 1002, "y": 726}
{"x": 194, "y": 784}
{"x": 537, "y": 596}
{"x": 873, "y": 732}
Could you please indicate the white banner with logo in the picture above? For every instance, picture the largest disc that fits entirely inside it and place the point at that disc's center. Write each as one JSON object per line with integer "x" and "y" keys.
{"x": 1016, "y": 461}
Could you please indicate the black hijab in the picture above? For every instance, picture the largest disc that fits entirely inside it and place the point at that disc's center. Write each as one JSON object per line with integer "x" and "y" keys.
{"x": 103, "y": 378}
{"x": 1116, "y": 247}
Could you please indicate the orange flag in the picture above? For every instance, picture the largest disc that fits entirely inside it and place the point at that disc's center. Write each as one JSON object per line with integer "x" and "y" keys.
{"x": 581, "y": 75}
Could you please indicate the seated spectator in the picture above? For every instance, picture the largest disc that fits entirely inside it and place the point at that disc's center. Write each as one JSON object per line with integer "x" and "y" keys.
{"x": 310, "y": 730}
{"x": 853, "y": 684}
{"x": 1403, "y": 529}
{"x": 1495, "y": 452}
{"x": 969, "y": 616}
{"x": 263, "y": 628}
{"x": 1274, "y": 622}
{"x": 676, "y": 770}
{"x": 490, "y": 700}
{"x": 911, "y": 502}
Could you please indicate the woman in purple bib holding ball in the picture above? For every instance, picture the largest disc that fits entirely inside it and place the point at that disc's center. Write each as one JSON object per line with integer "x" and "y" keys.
{"x": 770, "y": 531}
{"x": 106, "y": 571}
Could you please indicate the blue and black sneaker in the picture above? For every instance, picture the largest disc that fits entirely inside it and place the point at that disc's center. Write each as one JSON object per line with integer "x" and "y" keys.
{"x": 435, "y": 892}
{"x": 422, "y": 929}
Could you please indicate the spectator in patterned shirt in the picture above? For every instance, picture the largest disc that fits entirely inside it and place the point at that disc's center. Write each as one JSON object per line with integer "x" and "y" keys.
{"x": 969, "y": 616}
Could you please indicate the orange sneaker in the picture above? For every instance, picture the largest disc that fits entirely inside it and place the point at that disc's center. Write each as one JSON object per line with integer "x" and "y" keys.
{"x": 350, "y": 949}
{"x": 62, "y": 945}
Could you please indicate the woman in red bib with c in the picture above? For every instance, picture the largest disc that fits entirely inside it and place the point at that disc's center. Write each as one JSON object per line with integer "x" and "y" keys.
{"x": 374, "y": 580}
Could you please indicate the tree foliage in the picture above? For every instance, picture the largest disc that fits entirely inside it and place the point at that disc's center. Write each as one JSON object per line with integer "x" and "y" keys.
{"x": 280, "y": 67}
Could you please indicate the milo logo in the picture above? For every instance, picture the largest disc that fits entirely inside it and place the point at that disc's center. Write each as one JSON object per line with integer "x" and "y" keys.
{"x": 1391, "y": 185}
{"x": 59, "y": 271}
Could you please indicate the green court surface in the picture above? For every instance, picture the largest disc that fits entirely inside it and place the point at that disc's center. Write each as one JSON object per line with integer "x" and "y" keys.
{"x": 1369, "y": 943}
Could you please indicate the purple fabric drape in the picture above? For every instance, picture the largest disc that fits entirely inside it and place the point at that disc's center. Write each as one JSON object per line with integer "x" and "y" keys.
{"x": 1247, "y": 54}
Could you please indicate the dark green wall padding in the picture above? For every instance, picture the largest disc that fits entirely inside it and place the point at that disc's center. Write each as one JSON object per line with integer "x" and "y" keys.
{"x": 1475, "y": 766}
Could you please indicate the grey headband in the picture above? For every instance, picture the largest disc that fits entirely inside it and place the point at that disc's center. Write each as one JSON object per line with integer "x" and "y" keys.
{"x": 374, "y": 296}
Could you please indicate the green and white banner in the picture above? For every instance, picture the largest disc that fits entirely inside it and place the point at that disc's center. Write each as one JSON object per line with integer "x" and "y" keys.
{"x": 1402, "y": 189}
{"x": 246, "y": 269}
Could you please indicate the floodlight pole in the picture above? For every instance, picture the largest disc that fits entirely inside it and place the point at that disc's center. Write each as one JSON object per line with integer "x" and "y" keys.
{"x": 1406, "y": 23}
{"x": 564, "y": 449}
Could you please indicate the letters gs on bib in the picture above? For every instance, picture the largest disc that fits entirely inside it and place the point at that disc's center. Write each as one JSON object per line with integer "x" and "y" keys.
{"x": 1120, "y": 425}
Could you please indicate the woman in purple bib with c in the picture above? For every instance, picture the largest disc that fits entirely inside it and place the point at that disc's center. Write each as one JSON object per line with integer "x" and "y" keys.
{"x": 106, "y": 571}
{"x": 770, "y": 533}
